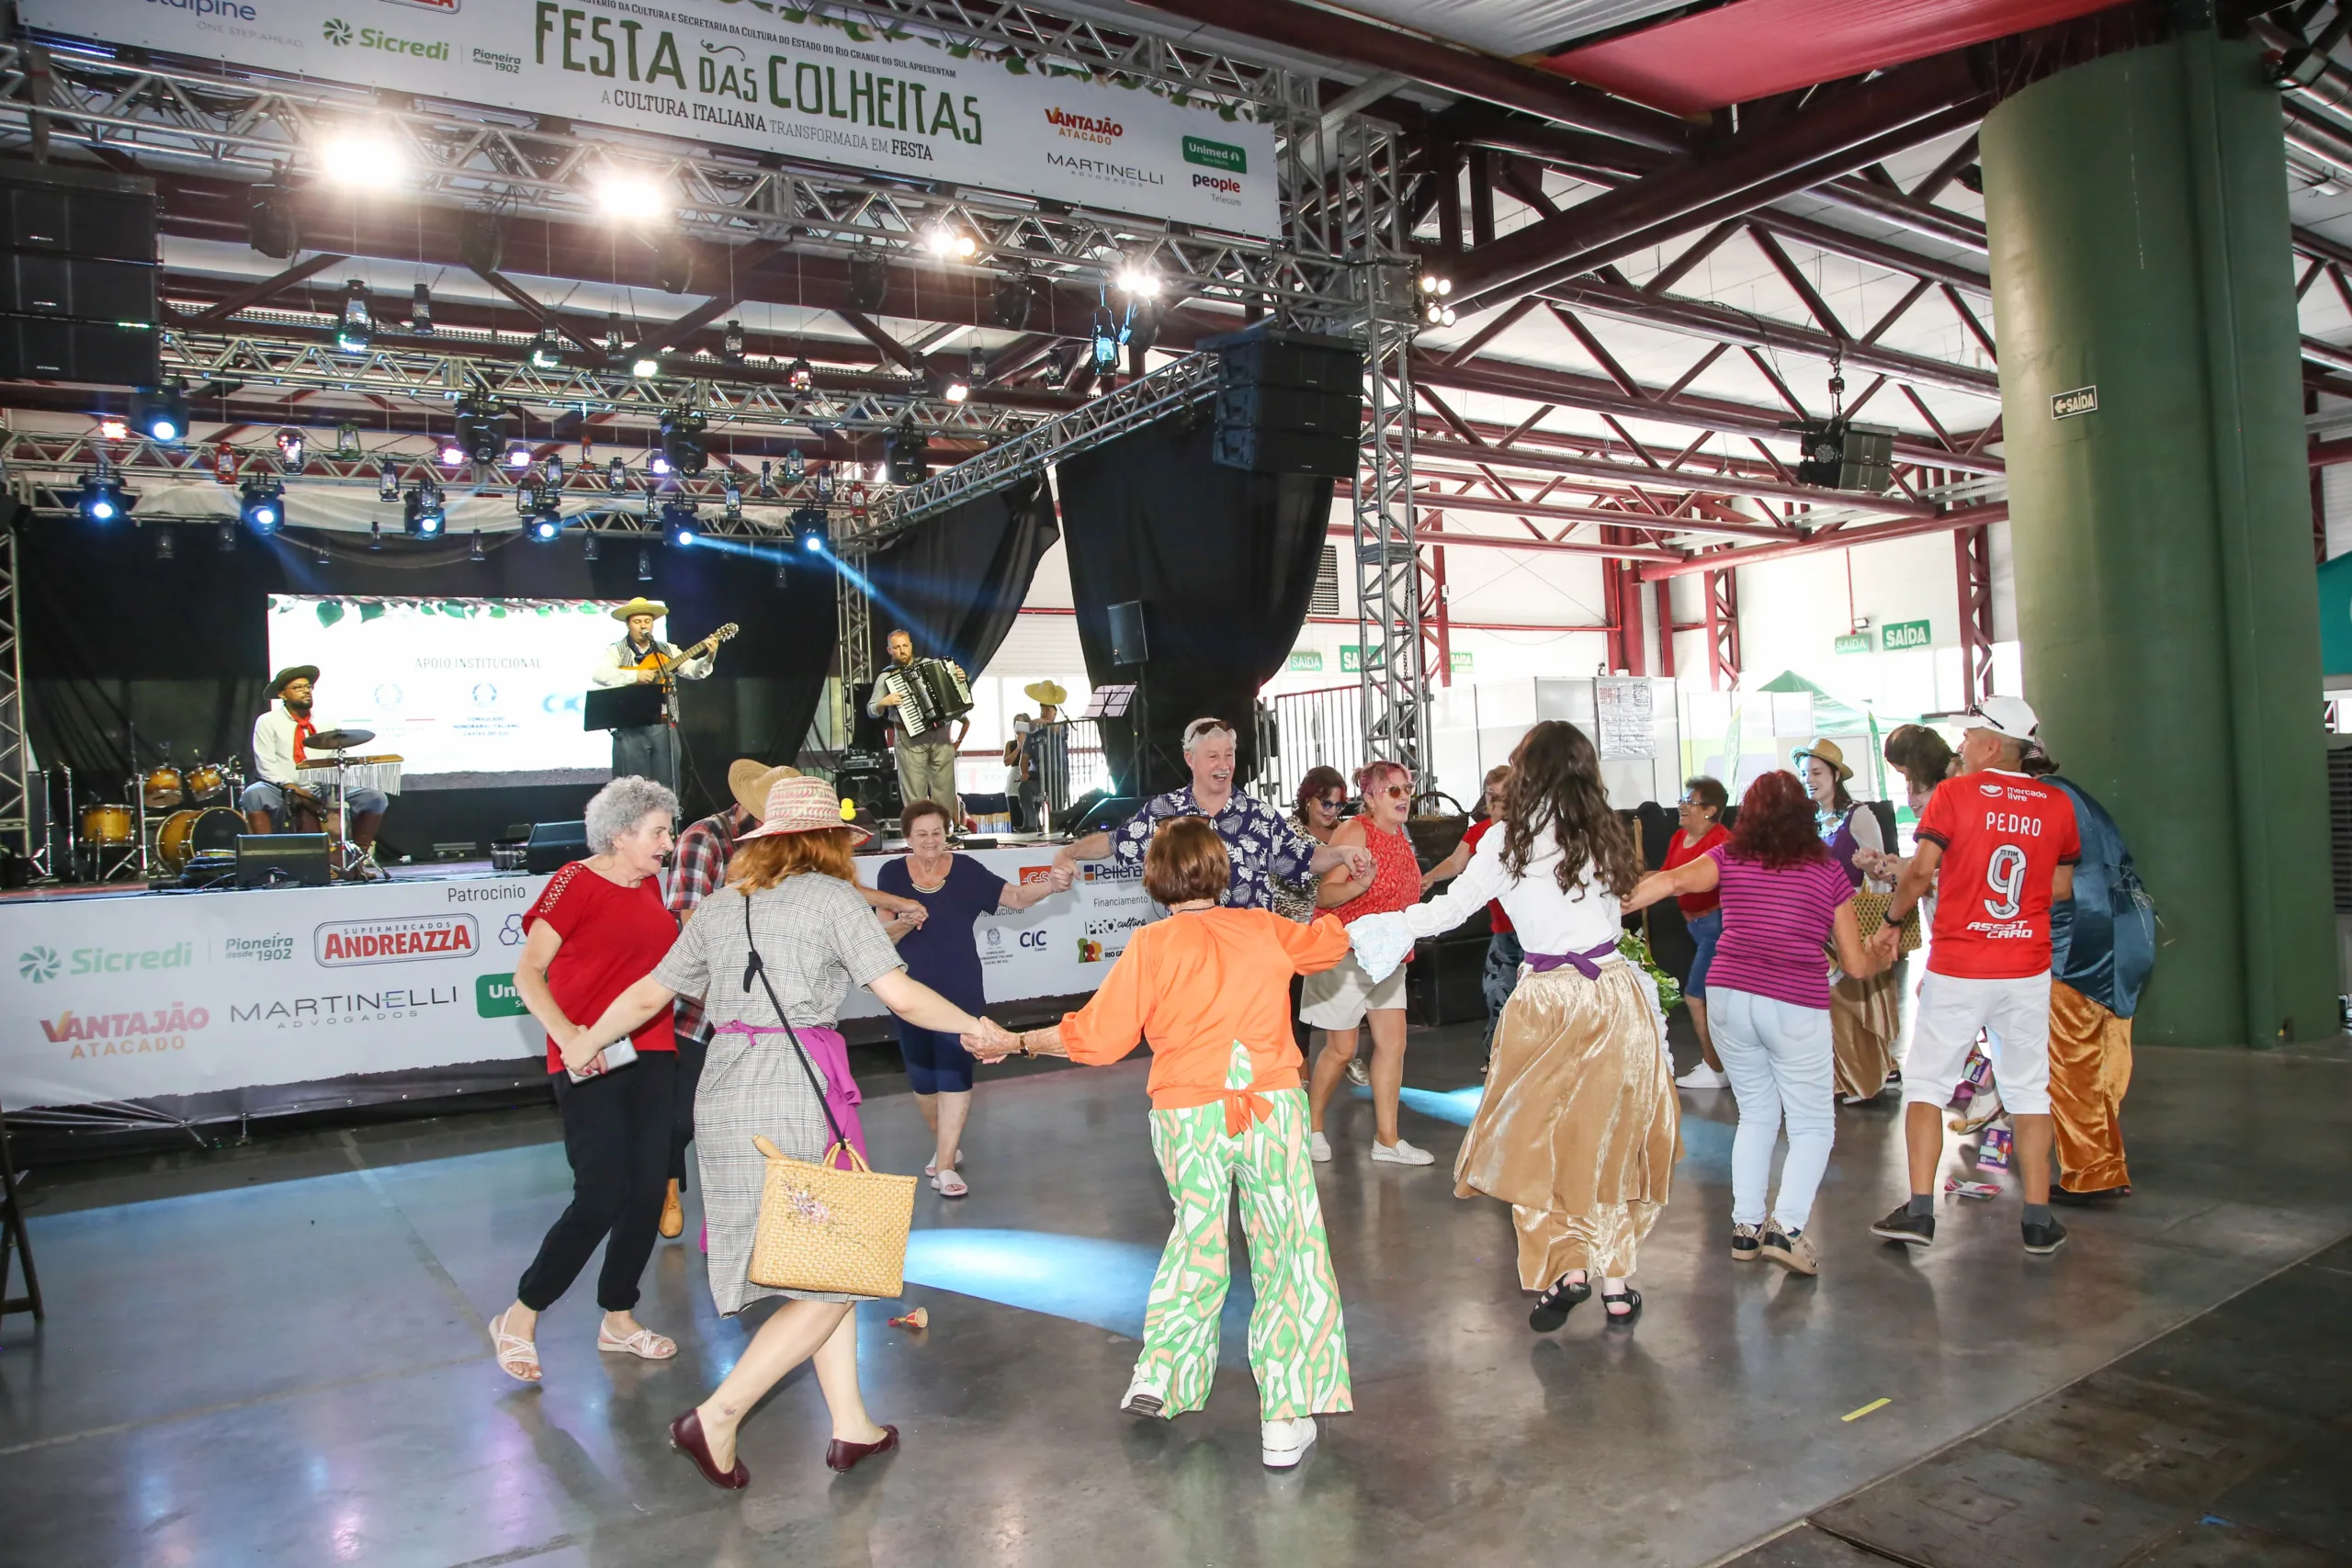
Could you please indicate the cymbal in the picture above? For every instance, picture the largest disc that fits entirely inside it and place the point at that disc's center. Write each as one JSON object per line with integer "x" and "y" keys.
{"x": 349, "y": 762}
{"x": 338, "y": 739}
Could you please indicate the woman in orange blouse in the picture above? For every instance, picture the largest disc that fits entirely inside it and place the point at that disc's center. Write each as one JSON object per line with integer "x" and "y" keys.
{"x": 1211, "y": 986}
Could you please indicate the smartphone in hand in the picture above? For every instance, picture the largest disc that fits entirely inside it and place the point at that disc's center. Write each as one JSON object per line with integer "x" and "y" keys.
{"x": 619, "y": 1054}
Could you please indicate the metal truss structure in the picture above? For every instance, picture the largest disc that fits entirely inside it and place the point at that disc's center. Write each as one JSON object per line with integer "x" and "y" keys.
{"x": 1387, "y": 553}
{"x": 15, "y": 747}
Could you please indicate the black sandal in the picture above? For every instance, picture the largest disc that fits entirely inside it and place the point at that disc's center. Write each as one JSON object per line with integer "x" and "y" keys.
{"x": 1625, "y": 1319}
{"x": 1552, "y": 1306}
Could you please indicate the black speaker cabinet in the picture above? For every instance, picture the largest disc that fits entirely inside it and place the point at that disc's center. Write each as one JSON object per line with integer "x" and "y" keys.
{"x": 105, "y": 354}
{"x": 1129, "y": 643}
{"x": 281, "y": 859}
{"x": 1304, "y": 409}
{"x": 64, "y": 211}
{"x": 1264, "y": 355}
{"x": 554, "y": 845}
{"x": 1284, "y": 452}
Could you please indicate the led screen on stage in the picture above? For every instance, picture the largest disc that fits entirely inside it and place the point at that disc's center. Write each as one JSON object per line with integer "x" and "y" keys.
{"x": 460, "y": 689}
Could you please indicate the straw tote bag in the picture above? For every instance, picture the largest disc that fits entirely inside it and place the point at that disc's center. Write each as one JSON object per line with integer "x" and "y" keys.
{"x": 822, "y": 1228}
{"x": 1870, "y": 913}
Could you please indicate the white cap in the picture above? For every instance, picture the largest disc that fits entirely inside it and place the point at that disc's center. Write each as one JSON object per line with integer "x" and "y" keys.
{"x": 2009, "y": 717}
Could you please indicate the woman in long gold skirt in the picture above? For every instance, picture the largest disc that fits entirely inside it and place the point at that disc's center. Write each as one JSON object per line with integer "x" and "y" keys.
{"x": 1865, "y": 1018}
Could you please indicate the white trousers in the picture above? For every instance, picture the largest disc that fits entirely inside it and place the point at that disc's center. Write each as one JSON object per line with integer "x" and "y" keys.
{"x": 1777, "y": 1057}
{"x": 2016, "y": 1016}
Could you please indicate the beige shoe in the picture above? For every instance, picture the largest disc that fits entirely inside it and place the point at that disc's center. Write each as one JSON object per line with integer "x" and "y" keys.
{"x": 1794, "y": 1253}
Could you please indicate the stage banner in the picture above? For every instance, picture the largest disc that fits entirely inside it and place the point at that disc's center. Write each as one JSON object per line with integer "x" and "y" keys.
{"x": 136, "y": 996}
{"x": 746, "y": 73}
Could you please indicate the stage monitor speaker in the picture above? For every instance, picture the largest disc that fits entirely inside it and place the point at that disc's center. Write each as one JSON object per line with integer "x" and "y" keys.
{"x": 1129, "y": 643}
{"x": 1284, "y": 452}
{"x": 554, "y": 845}
{"x": 282, "y": 860}
{"x": 105, "y": 354}
{"x": 1107, "y": 815}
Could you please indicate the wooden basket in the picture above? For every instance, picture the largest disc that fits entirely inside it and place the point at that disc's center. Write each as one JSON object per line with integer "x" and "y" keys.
{"x": 822, "y": 1228}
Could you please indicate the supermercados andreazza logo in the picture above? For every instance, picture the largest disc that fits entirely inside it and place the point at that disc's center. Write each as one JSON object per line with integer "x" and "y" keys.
{"x": 1085, "y": 127}
{"x": 143, "y": 1033}
{"x": 41, "y": 964}
{"x": 395, "y": 941}
{"x": 343, "y": 35}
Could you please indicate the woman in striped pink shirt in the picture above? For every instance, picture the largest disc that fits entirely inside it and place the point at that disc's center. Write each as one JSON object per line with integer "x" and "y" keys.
{"x": 1784, "y": 899}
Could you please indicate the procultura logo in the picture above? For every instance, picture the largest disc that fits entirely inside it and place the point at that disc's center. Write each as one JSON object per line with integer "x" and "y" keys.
{"x": 36, "y": 965}
{"x": 338, "y": 31}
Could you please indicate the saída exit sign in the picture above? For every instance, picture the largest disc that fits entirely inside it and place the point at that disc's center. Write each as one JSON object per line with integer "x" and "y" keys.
{"x": 1899, "y": 635}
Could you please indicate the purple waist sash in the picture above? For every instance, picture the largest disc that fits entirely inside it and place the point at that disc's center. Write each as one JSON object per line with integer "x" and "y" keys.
{"x": 1585, "y": 963}
{"x": 830, "y": 1053}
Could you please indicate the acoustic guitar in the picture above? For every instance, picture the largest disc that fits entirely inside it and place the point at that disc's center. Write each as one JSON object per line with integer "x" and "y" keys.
{"x": 660, "y": 664}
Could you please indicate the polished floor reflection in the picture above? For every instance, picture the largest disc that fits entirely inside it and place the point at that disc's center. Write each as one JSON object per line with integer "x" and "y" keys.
{"x": 279, "y": 1359}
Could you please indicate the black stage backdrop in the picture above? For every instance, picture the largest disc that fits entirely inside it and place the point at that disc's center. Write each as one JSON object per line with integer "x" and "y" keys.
{"x": 957, "y": 580}
{"x": 115, "y": 638}
{"x": 1224, "y": 562}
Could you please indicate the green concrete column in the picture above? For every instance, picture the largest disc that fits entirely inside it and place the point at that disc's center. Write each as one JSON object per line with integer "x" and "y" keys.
{"x": 2138, "y": 213}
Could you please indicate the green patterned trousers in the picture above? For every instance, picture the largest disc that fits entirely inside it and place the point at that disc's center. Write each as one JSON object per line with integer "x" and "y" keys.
{"x": 1298, "y": 1343}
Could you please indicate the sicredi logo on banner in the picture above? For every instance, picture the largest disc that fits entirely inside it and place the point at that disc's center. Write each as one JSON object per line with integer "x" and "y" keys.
{"x": 395, "y": 941}
{"x": 343, "y": 35}
{"x": 42, "y": 964}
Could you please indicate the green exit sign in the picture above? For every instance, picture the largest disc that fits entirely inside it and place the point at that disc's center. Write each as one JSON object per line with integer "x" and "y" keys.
{"x": 1898, "y": 635}
{"x": 1306, "y": 659}
{"x": 1853, "y": 642}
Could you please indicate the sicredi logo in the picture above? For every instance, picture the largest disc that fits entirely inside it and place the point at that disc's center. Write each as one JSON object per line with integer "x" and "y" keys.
{"x": 229, "y": 8}
{"x": 41, "y": 964}
{"x": 38, "y": 965}
{"x": 343, "y": 35}
{"x": 395, "y": 941}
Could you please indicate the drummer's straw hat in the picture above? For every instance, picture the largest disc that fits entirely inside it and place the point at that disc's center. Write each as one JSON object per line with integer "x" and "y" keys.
{"x": 1046, "y": 691}
{"x": 804, "y": 805}
{"x": 1829, "y": 753}
{"x": 641, "y": 605}
{"x": 748, "y": 783}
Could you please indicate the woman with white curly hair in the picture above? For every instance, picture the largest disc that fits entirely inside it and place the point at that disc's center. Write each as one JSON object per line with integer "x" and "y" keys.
{"x": 595, "y": 930}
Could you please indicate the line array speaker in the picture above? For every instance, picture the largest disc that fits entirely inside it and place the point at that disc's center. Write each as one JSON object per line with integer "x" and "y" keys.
{"x": 78, "y": 277}
{"x": 1288, "y": 403}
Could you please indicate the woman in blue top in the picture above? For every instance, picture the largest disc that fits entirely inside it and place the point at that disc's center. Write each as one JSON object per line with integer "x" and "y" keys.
{"x": 942, "y": 951}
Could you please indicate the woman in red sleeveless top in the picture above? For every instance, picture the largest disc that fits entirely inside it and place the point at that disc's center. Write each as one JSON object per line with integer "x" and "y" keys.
{"x": 1339, "y": 998}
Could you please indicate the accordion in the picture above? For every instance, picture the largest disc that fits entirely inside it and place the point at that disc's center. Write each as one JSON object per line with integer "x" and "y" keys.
{"x": 931, "y": 694}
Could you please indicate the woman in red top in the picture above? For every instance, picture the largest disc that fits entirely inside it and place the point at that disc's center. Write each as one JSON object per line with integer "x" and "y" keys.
{"x": 1338, "y": 1000}
{"x": 598, "y": 927}
{"x": 1704, "y": 800}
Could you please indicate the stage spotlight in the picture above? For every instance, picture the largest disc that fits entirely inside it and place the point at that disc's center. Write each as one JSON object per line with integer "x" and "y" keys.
{"x": 730, "y": 343}
{"x": 588, "y": 546}
{"x": 547, "y": 350}
{"x": 657, "y": 465}
{"x": 645, "y": 370}
{"x": 869, "y": 283}
{"x": 906, "y": 455}
{"x": 546, "y": 524}
{"x": 1009, "y": 309}
{"x": 270, "y": 224}
{"x": 615, "y": 339}
{"x": 957, "y": 390}
{"x": 1436, "y": 286}
{"x": 481, "y": 430}
{"x": 103, "y": 499}
{"x": 810, "y": 527}
{"x": 289, "y": 449}
{"x": 944, "y": 240}
{"x": 1136, "y": 280}
{"x": 420, "y": 311}
{"x": 423, "y": 512}
{"x": 678, "y": 525}
{"x": 731, "y": 495}
{"x": 476, "y": 553}
{"x": 518, "y": 456}
{"x": 645, "y": 566}
{"x": 113, "y": 427}
{"x": 616, "y": 474}
{"x": 452, "y": 455}
{"x": 362, "y": 158}
{"x": 357, "y": 328}
{"x": 160, "y": 416}
{"x": 794, "y": 466}
{"x": 388, "y": 483}
{"x": 261, "y": 505}
{"x": 163, "y": 543}
{"x": 682, "y": 441}
{"x": 631, "y": 197}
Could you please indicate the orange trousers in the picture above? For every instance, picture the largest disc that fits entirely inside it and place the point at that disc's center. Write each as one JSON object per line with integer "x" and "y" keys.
{"x": 2090, "y": 1067}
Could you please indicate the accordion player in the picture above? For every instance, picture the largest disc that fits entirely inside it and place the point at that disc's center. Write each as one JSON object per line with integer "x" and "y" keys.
{"x": 932, "y": 692}
{"x": 925, "y": 700}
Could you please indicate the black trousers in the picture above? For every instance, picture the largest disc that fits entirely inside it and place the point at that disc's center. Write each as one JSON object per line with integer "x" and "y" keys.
{"x": 616, "y": 1134}
{"x": 691, "y": 1053}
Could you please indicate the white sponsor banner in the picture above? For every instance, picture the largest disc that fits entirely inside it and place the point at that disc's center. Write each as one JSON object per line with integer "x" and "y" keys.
{"x": 135, "y": 997}
{"x": 743, "y": 74}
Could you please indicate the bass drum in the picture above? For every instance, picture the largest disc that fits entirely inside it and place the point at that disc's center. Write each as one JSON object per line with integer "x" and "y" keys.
{"x": 162, "y": 789}
{"x": 108, "y": 826}
{"x": 206, "y": 780}
{"x": 187, "y": 834}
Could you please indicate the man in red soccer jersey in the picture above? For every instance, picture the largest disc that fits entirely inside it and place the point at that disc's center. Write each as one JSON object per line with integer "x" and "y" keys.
{"x": 1999, "y": 846}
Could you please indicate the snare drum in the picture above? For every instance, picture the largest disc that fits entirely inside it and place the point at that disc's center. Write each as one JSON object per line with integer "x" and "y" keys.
{"x": 162, "y": 789}
{"x": 189, "y": 833}
{"x": 206, "y": 780}
{"x": 108, "y": 826}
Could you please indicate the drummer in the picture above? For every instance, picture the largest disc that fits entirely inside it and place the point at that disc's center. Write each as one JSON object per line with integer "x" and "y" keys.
{"x": 279, "y": 736}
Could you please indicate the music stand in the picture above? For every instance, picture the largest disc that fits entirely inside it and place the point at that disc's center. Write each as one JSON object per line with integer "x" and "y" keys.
{"x": 634, "y": 706}
{"x": 1113, "y": 701}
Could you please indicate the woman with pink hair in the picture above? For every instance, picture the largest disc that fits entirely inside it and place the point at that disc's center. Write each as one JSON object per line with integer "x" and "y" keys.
{"x": 1340, "y": 998}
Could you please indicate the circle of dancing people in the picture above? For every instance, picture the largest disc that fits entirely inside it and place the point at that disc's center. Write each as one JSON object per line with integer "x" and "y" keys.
{"x": 657, "y": 1036}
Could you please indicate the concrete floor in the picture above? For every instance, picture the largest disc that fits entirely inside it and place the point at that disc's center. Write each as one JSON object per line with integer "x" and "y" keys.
{"x": 278, "y": 1357}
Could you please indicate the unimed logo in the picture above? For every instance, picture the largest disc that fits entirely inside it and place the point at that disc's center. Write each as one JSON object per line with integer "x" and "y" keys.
{"x": 395, "y": 941}
{"x": 496, "y": 996}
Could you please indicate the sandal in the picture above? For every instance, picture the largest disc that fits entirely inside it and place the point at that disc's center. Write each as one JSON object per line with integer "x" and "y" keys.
{"x": 947, "y": 1184}
{"x": 932, "y": 1167}
{"x": 1552, "y": 1307}
{"x": 518, "y": 1358}
{"x": 645, "y": 1345}
{"x": 1633, "y": 1309}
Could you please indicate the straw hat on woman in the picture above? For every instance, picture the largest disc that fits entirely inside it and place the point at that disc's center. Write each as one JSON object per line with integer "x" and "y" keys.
{"x": 791, "y": 891}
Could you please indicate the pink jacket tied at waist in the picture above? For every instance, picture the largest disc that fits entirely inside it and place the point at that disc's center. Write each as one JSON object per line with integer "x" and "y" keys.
{"x": 830, "y": 1053}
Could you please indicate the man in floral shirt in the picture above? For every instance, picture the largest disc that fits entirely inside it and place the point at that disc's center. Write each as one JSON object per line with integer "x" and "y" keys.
{"x": 1260, "y": 844}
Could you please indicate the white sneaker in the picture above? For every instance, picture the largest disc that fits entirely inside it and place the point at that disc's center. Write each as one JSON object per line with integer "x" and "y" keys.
{"x": 1702, "y": 1076}
{"x": 1357, "y": 1074}
{"x": 1283, "y": 1444}
{"x": 1400, "y": 1152}
{"x": 1143, "y": 1397}
{"x": 1319, "y": 1148}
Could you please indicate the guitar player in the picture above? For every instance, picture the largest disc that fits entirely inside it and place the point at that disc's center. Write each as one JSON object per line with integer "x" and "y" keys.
{"x": 646, "y": 750}
{"x": 927, "y": 757}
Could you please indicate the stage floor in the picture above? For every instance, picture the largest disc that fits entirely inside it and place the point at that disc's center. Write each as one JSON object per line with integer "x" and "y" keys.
{"x": 279, "y": 1359}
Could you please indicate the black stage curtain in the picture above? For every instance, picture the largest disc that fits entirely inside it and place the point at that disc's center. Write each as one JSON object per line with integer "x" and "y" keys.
{"x": 1224, "y": 562}
{"x": 956, "y": 580}
{"x": 116, "y": 641}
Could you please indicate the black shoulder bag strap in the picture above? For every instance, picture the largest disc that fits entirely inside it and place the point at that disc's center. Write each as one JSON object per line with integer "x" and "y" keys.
{"x": 755, "y": 968}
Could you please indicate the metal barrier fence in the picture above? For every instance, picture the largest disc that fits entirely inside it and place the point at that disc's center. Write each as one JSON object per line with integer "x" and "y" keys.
{"x": 1318, "y": 728}
{"x": 1068, "y": 763}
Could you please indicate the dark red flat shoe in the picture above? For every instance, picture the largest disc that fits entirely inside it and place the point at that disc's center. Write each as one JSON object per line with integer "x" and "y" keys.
{"x": 685, "y": 1435}
{"x": 844, "y": 1456}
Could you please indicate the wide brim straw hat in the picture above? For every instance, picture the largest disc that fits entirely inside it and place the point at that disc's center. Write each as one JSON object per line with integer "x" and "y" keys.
{"x": 749, "y": 782}
{"x": 641, "y": 605}
{"x": 1828, "y": 752}
{"x": 804, "y": 805}
{"x": 1046, "y": 691}
{"x": 291, "y": 673}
